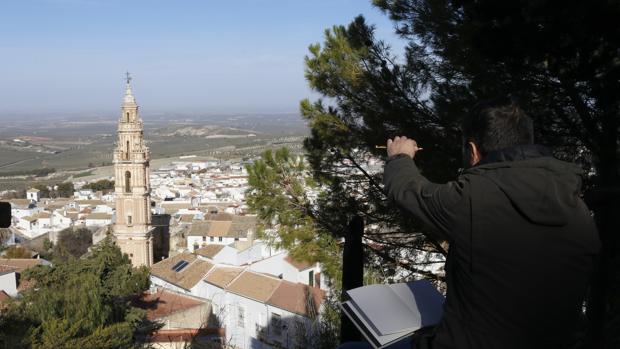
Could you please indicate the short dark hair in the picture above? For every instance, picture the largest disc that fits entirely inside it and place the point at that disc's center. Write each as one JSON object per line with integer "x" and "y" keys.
{"x": 497, "y": 124}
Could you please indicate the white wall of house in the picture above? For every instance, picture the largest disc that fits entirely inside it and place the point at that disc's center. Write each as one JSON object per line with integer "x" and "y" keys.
{"x": 228, "y": 255}
{"x": 25, "y": 224}
{"x": 209, "y": 240}
{"x": 193, "y": 241}
{"x": 104, "y": 208}
{"x": 31, "y": 229}
{"x": 251, "y": 254}
{"x": 23, "y": 212}
{"x": 215, "y": 294}
{"x": 155, "y": 281}
{"x": 276, "y": 265}
{"x": 45, "y": 223}
{"x": 97, "y": 222}
{"x": 8, "y": 283}
{"x": 242, "y": 331}
{"x": 32, "y": 195}
{"x": 59, "y": 221}
{"x": 201, "y": 289}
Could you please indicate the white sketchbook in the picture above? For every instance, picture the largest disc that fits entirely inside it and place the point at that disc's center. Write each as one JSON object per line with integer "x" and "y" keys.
{"x": 385, "y": 314}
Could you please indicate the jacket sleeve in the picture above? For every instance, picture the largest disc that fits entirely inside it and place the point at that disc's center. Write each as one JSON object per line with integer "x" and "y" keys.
{"x": 438, "y": 206}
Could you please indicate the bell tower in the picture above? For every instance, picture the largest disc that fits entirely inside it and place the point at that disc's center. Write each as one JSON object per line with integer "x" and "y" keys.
{"x": 132, "y": 229}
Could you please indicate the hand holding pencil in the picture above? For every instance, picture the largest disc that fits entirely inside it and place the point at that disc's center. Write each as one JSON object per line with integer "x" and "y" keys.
{"x": 401, "y": 145}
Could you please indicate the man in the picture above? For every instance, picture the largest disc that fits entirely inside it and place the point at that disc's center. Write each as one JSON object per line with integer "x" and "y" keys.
{"x": 521, "y": 240}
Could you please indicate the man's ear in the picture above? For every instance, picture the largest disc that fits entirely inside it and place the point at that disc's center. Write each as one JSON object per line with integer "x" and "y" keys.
{"x": 474, "y": 154}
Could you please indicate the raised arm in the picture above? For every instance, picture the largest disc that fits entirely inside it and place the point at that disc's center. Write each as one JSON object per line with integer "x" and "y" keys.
{"x": 436, "y": 205}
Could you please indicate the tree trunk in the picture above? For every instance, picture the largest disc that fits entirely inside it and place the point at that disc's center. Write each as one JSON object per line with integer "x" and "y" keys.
{"x": 604, "y": 201}
{"x": 352, "y": 274}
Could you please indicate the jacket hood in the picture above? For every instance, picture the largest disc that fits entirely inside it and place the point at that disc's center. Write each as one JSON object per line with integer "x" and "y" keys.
{"x": 542, "y": 188}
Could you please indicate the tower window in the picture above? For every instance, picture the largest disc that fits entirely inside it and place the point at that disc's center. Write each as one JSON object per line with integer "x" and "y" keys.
{"x": 127, "y": 182}
{"x": 127, "y": 151}
{"x": 127, "y": 116}
{"x": 128, "y": 219}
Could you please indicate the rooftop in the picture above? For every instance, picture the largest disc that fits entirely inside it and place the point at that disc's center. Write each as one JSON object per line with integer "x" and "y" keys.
{"x": 184, "y": 270}
{"x": 297, "y": 298}
{"x": 164, "y": 303}
{"x": 236, "y": 226}
{"x": 255, "y": 286}
{"x": 99, "y": 215}
{"x": 21, "y": 264}
{"x": 299, "y": 265}
{"x": 209, "y": 251}
{"x": 222, "y": 276}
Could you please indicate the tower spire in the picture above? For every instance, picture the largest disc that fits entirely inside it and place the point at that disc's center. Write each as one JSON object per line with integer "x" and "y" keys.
{"x": 129, "y": 99}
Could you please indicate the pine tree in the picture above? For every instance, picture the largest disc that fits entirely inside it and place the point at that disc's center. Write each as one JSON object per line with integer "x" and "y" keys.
{"x": 560, "y": 60}
{"x": 81, "y": 303}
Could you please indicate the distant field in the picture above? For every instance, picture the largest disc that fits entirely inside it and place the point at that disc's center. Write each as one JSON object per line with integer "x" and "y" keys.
{"x": 86, "y": 148}
{"x": 11, "y": 160}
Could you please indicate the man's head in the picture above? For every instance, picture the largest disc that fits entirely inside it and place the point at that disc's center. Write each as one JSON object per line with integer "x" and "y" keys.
{"x": 494, "y": 125}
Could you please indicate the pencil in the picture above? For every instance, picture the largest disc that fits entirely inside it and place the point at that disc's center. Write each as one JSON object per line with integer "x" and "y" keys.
{"x": 385, "y": 147}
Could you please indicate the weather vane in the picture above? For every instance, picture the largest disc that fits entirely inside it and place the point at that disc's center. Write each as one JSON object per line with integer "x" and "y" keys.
{"x": 128, "y": 77}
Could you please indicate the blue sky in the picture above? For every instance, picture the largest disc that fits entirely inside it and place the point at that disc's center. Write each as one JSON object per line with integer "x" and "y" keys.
{"x": 208, "y": 56}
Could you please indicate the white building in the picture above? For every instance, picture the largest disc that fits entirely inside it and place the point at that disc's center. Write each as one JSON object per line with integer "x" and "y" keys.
{"x": 221, "y": 229}
{"x": 33, "y": 194}
{"x": 285, "y": 267}
{"x": 261, "y": 311}
{"x": 97, "y": 219}
{"x": 181, "y": 273}
{"x": 237, "y": 253}
{"x": 8, "y": 281}
{"x": 256, "y": 310}
{"x": 11, "y": 268}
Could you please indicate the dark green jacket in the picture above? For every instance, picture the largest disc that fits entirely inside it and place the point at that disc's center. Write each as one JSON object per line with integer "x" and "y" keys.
{"x": 522, "y": 246}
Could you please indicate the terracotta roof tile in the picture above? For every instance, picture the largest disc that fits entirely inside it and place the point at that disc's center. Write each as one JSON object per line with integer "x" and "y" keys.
{"x": 297, "y": 298}
{"x": 44, "y": 215}
{"x": 184, "y": 335}
{"x": 224, "y": 225}
{"x": 20, "y": 264}
{"x": 219, "y": 217}
{"x": 299, "y": 265}
{"x": 4, "y": 296}
{"x": 209, "y": 251}
{"x": 99, "y": 215}
{"x": 172, "y": 206}
{"x": 5, "y": 269}
{"x": 90, "y": 202}
{"x": 186, "y": 218}
{"x": 222, "y": 276}
{"x": 187, "y": 277}
{"x": 20, "y": 202}
{"x": 199, "y": 229}
{"x": 254, "y": 286}
{"x": 164, "y": 303}
{"x": 219, "y": 228}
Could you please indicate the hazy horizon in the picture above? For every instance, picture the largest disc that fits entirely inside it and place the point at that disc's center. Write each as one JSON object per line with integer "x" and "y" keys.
{"x": 190, "y": 57}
